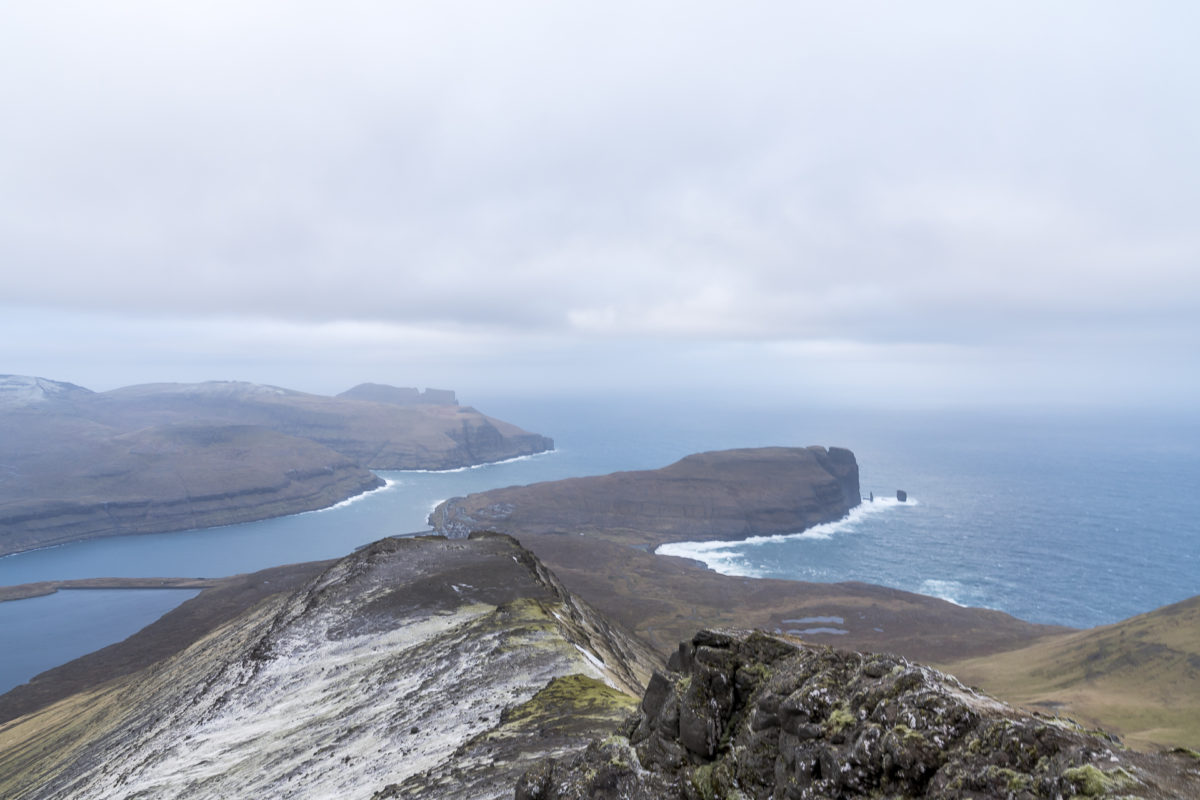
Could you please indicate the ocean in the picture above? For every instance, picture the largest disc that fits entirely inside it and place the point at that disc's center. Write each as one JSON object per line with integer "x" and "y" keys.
{"x": 1078, "y": 519}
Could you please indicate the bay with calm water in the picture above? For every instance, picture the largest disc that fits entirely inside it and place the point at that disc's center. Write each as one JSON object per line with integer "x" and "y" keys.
{"x": 1078, "y": 519}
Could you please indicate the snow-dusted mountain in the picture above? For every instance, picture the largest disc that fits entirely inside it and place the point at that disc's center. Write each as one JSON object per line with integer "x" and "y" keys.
{"x": 424, "y": 667}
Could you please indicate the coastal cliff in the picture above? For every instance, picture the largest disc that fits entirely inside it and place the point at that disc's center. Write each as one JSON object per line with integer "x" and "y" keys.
{"x": 378, "y": 433}
{"x": 600, "y": 533}
{"x": 727, "y": 494}
{"x": 78, "y": 464}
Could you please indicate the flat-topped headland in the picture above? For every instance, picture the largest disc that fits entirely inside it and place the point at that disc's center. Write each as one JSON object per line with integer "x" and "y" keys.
{"x": 600, "y": 534}
{"x": 726, "y": 494}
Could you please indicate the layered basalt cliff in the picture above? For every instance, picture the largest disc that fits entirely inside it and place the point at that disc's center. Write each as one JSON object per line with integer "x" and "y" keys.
{"x": 415, "y": 668}
{"x": 165, "y": 478}
{"x": 375, "y": 434}
{"x": 400, "y": 395}
{"x": 753, "y": 716}
{"x": 145, "y": 459}
{"x": 716, "y": 495}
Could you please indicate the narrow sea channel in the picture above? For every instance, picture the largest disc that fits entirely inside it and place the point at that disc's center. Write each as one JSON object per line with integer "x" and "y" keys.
{"x": 1072, "y": 520}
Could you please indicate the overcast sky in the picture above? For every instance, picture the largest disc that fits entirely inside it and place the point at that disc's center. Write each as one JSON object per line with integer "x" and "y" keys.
{"x": 917, "y": 203}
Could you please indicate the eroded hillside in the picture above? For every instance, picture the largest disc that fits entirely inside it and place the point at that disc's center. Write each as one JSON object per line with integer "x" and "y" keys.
{"x": 416, "y": 667}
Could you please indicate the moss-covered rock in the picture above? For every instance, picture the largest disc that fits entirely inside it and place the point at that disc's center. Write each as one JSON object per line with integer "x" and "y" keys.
{"x": 753, "y": 716}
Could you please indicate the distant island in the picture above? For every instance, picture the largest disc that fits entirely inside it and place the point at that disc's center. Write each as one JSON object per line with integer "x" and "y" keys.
{"x": 78, "y": 464}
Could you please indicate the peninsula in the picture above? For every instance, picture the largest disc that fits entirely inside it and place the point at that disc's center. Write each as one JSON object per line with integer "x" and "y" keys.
{"x": 78, "y": 464}
{"x": 600, "y": 533}
{"x": 727, "y": 494}
{"x": 428, "y": 667}
{"x": 477, "y": 666}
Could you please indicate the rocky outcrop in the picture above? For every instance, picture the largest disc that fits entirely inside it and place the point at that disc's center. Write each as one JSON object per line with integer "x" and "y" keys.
{"x": 145, "y": 459}
{"x": 414, "y": 668}
{"x": 754, "y": 716}
{"x": 717, "y": 495}
{"x": 400, "y": 395}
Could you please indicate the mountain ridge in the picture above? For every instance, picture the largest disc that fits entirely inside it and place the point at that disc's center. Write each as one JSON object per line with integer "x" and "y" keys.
{"x": 432, "y": 667}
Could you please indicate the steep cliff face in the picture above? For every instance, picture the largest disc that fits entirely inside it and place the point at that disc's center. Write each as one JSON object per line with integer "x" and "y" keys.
{"x": 414, "y": 668}
{"x": 375, "y": 434}
{"x": 723, "y": 494}
{"x": 400, "y": 395}
{"x": 753, "y": 716}
{"x": 165, "y": 478}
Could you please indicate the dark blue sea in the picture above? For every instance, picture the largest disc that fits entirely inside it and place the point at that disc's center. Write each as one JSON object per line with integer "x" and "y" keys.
{"x": 1075, "y": 518}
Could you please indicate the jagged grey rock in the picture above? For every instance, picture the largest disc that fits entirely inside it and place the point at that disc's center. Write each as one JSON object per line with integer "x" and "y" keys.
{"x": 756, "y": 716}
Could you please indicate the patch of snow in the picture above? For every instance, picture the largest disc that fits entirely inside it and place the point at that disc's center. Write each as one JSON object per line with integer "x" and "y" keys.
{"x": 27, "y": 390}
{"x": 602, "y": 672}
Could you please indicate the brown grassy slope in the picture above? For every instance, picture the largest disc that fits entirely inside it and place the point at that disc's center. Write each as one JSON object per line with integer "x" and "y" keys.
{"x": 173, "y": 632}
{"x": 36, "y": 747}
{"x": 1139, "y": 677}
{"x": 666, "y": 600}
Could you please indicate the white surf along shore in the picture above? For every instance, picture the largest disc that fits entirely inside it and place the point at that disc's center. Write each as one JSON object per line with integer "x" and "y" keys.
{"x": 484, "y": 465}
{"x": 729, "y": 557}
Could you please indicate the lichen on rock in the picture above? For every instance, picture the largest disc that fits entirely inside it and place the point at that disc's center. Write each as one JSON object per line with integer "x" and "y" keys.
{"x": 740, "y": 715}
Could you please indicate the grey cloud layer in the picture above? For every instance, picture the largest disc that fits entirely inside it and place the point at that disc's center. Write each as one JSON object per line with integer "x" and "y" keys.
{"x": 878, "y": 172}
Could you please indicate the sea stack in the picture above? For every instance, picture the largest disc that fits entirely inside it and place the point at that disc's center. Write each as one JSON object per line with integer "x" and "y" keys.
{"x": 902, "y": 495}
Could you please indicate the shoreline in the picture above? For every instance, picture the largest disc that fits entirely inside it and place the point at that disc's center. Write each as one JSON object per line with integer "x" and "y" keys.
{"x": 693, "y": 549}
{"x": 25, "y": 591}
{"x": 388, "y": 483}
{"x": 480, "y": 465}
